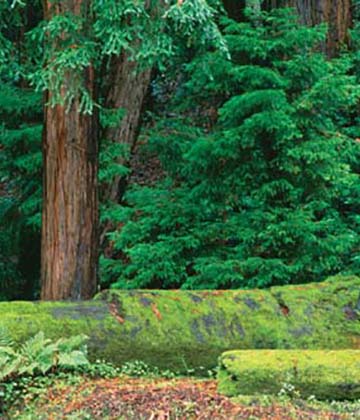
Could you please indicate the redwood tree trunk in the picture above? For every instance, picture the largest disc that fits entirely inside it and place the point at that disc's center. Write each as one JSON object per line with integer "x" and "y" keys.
{"x": 336, "y": 13}
{"x": 70, "y": 206}
{"x": 127, "y": 90}
{"x": 127, "y": 87}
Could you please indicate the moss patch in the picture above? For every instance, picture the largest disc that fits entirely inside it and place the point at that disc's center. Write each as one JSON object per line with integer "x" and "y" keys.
{"x": 186, "y": 329}
{"x": 323, "y": 374}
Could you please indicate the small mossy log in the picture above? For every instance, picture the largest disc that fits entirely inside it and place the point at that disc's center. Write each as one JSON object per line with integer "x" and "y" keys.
{"x": 325, "y": 374}
{"x": 190, "y": 329}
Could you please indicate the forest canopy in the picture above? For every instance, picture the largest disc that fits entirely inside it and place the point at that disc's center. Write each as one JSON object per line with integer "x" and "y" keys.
{"x": 207, "y": 145}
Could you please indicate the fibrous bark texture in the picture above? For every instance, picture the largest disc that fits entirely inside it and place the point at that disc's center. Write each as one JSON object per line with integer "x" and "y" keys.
{"x": 70, "y": 206}
{"x": 336, "y": 13}
{"x": 127, "y": 87}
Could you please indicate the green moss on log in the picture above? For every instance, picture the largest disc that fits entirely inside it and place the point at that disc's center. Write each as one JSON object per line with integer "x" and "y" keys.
{"x": 188, "y": 329}
{"x": 323, "y": 374}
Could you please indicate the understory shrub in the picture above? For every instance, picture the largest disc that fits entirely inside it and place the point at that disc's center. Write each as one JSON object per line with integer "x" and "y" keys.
{"x": 264, "y": 192}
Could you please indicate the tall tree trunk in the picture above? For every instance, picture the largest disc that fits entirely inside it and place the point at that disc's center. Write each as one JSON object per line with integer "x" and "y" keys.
{"x": 336, "y": 13}
{"x": 70, "y": 207}
{"x": 127, "y": 89}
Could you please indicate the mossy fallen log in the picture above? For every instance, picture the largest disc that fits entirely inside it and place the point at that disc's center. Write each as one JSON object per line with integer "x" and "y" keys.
{"x": 333, "y": 375}
{"x": 190, "y": 329}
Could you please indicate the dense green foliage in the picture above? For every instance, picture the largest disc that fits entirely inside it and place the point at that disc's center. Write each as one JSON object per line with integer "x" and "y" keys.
{"x": 35, "y": 54}
{"x": 228, "y": 157}
{"x": 255, "y": 129}
{"x": 20, "y": 202}
{"x": 20, "y": 154}
{"x": 269, "y": 193}
{"x": 144, "y": 31}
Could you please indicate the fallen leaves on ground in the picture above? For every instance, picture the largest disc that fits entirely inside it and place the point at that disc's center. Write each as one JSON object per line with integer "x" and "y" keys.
{"x": 180, "y": 399}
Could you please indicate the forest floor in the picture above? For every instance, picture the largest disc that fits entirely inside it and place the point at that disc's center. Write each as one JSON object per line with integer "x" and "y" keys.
{"x": 161, "y": 399}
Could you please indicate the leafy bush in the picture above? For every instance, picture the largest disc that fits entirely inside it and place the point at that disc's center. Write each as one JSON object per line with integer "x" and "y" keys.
{"x": 267, "y": 193}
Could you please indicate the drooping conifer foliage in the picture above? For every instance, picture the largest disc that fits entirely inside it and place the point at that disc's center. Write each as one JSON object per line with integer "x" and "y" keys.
{"x": 266, "y": 195}
{"x": 20, "y": 152}
{"x": 246, "y": 170}
{"x": 75, "y": 52}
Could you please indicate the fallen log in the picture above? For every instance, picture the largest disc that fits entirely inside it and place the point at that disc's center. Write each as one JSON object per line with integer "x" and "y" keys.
{"x": 181, "y": 330}
{"x": 323, "y": 374}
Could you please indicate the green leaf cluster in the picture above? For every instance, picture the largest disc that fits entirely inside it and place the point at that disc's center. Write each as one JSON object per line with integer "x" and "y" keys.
{"x": 269, "y": 192}
{"x": 21, "y": 364}
{"x": 143, "y": 31}
{"x": 40, "y": 355}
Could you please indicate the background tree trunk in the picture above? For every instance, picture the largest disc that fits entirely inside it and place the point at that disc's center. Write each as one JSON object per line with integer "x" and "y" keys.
{"x": 336, "y": 13}
{"x": 127, "y": 88}
{"x": 70, "y": 206}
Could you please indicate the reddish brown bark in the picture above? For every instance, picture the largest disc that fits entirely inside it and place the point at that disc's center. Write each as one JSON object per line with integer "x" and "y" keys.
{"x": 127, "y": 90}
{"x": 127, "y": 87}
{"x": 70, "y": 206}
{"x": 336, "y": 13}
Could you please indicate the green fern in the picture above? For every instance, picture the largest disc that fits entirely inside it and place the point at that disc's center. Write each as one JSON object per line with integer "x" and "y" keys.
{"x": 5, "y": 338}
{"x": 38, "y": 355}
